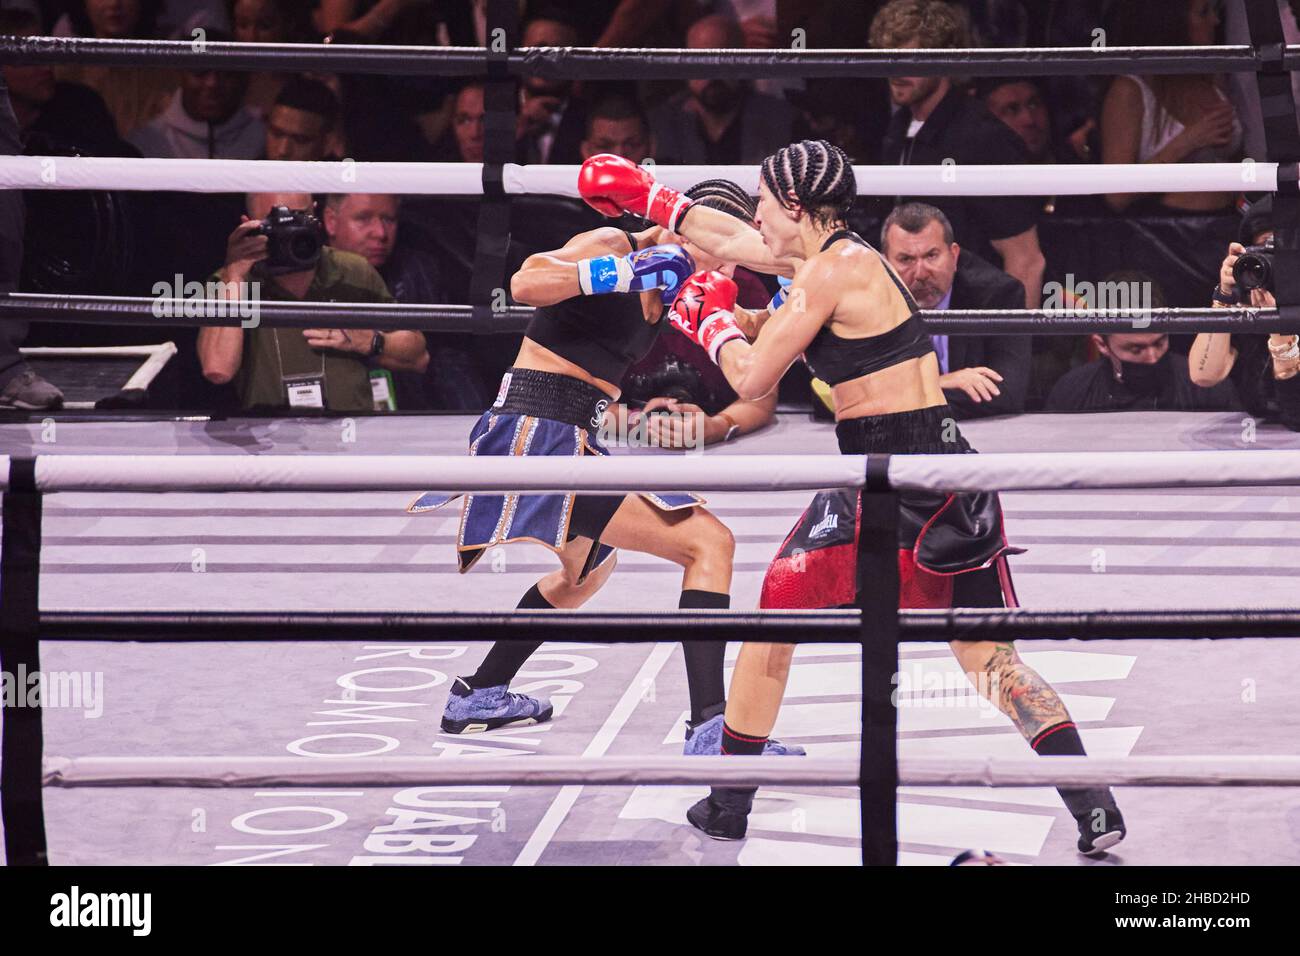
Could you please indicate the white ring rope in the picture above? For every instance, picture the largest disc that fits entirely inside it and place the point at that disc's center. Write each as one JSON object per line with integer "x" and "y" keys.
{"x": 1019, "y": 471}
{"x": 466, "y": 179}
{"x": 234, "y": 771}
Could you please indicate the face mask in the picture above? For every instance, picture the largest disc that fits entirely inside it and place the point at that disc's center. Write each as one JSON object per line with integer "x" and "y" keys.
{"x": 1142, "y": 378}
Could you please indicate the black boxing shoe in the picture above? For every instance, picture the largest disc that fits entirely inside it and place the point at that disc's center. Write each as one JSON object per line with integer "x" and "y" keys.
{"x": 1101, "y": 827}
{"x": 724, "y": 813}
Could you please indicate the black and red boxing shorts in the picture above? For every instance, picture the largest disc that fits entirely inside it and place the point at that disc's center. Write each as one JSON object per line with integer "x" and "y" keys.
{"x": 941, "y": 537}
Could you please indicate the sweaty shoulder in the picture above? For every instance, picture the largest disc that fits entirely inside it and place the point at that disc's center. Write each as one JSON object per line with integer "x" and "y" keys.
{"x": 845, "y": 263}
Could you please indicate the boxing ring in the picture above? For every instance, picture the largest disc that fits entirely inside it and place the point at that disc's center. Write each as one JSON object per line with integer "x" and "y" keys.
{"x": 120, "y": 565}
{"x": 874, "y": 758}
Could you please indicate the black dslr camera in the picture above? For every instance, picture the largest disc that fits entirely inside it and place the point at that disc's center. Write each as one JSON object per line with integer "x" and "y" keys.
{"x": 1254, "y": 268}
{"x": 671, "y": 378}
{"x": 293, "y": 241}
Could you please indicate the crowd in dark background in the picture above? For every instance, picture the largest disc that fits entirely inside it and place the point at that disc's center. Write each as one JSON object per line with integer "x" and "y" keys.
{"x": 955, "y": 252}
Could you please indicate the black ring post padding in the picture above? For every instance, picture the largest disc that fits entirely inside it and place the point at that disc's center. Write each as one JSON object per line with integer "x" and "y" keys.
{"x": 500, "y": 103}
{"x": 21, "y": 804}
{"x": 877, "y": 474}
{"x": 1281, "y": 140}
{"x": 877, "y": 598}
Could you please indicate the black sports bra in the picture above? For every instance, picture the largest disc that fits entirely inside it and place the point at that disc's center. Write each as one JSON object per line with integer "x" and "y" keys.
{"x": 603, "y": 334}
{"x": 834, "y": 359}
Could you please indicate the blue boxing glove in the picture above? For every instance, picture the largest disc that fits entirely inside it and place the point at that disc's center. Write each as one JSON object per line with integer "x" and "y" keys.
{"x": 778, "y": 300}
{"x": 663, "y": 267}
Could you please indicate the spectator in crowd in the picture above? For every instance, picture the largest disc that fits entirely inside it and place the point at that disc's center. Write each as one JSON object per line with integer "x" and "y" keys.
{"x": 1168, "y": 119}
{"x": 205, "y": 120}
{"x": 133, "y": 94}
{"x": 939, "y": 123}
{"x": 1257, "y": 365}
{"x": 1019, "y": 102}
{"x": 266, "y": 21}
{"x": 1137, "y": 372}
{"x": 302, "y": 121}
{"x": 617, "y": 124}
{"x": 1050, "y": 23}
{"x": 368, "y": 225}
{"x": 20, "y": 387}
{"x": 720, "y": 121}
{"x": 551, "y": 118}
{"x": 308, "y": 368}
{"x": 467, "y": 123}
{"x": 981, "y": 375}
{"x": 57, "y": 114}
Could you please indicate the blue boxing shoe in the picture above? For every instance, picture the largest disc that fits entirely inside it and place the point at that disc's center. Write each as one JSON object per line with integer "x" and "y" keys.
{"x": 705, "y": 740}
{"x": 471, "y": 711}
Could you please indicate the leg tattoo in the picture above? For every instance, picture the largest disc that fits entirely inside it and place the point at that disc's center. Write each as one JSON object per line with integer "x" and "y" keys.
{"x": 1022, "y": 694}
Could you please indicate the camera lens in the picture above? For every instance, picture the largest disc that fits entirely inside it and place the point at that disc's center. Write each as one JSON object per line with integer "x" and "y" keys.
{"x": 303, "y": 247}
{"x": 1252, "y": 271}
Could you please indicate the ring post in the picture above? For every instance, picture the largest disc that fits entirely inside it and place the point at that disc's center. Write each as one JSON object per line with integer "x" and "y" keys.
{"x": 877, "y": 598}
{"x": 21, "y": 807}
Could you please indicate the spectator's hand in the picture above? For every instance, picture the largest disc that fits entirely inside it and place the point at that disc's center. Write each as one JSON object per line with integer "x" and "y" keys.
{"x": 1226, "y": 282}
{"x": 243, "y": 248}
{"x": 340, "y": 340}
{"x": 759, "y": 32}
{"x": 976, "y": 382}
{"x": 1078, "y": 140}
{"x": 535, "y": 115}
{"x": 1213, "y": 128}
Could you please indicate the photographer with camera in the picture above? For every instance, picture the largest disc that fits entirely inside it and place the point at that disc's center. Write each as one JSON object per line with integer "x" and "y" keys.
{"x": 1263, "y": 368}
{"x": 278, "y": 254}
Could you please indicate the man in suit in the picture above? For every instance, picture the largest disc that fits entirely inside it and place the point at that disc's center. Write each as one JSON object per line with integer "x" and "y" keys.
{"x": 981, "y": 375}
{"x": 720, "y": 122}
{"x": 552, "y": 120}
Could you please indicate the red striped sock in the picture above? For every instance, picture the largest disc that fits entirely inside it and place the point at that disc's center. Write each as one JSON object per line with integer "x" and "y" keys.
{"x": 737, "y": 744}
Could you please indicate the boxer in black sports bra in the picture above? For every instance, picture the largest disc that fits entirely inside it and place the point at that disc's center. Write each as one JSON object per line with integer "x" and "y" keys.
{"x": 851, "y": 318}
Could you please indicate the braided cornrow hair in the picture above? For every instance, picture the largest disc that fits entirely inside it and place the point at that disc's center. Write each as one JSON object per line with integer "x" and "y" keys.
{"x": 726, "y": 196}
{"x": 819, "y": 173}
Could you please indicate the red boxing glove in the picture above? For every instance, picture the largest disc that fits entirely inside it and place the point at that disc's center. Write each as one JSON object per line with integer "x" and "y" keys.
{"x": 613, "y": 185}
{"x": 705, "y": 312}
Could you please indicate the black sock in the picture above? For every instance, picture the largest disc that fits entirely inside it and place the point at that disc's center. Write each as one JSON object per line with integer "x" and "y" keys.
{"x": 1095, "y": 804}
{"x": 737, "y": 744}
{"x": 504, "y": 658}
{"x": 704, "y": 660}
{"x": 1059, "y": 740}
